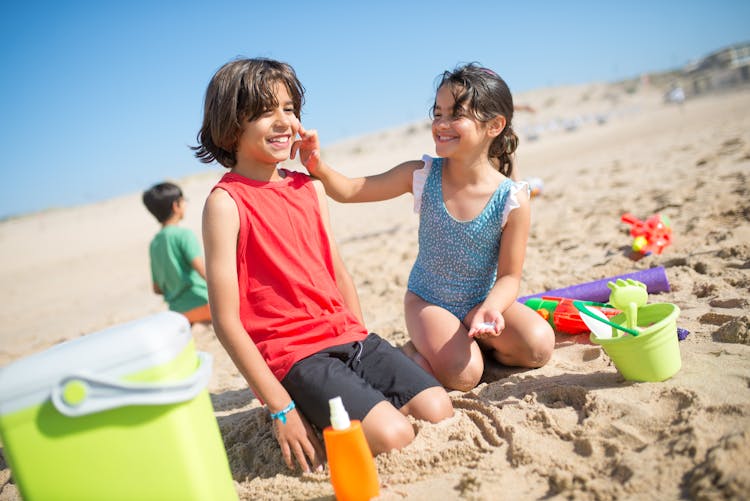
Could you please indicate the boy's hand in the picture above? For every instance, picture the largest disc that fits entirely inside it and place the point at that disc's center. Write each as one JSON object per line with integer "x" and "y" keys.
{"x": 486, "y": 323}
{"x": 298, "y": 440}
{"x": 308, "y": 146}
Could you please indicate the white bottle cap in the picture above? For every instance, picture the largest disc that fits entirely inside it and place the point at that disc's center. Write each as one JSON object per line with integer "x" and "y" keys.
{"x": 339, "y": 416}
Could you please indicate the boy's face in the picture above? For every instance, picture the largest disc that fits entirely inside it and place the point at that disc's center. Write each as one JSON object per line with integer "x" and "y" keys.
{"x": 268, "y": 139}
{"x": 178, "y": 207}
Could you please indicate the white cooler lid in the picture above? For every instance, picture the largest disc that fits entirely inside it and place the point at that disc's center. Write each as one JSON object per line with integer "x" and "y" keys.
{"x": 114, "y": 352}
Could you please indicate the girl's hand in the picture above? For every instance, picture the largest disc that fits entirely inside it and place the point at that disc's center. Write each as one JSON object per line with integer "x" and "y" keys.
{"x": 308, "y": 146}
{"x": 486, "y": 323}
{"x": 298, "y": 440}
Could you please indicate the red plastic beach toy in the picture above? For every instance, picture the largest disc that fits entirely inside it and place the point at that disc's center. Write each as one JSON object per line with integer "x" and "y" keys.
{"x": 651, "y": 235}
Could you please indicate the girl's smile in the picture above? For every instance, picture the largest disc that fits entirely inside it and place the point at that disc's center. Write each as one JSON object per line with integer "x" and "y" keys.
{"x": 444, "y": 138}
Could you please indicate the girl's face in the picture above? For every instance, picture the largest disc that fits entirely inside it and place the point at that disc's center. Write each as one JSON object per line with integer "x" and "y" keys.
{"x": 268, "y": 138}
{"x": 454, "y": 131}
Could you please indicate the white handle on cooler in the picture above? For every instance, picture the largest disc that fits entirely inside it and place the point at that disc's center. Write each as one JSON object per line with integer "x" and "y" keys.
{"x": 95, "y": 393}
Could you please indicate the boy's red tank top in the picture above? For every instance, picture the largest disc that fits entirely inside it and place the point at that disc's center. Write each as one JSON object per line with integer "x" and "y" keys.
{"x": 289, "y": 302}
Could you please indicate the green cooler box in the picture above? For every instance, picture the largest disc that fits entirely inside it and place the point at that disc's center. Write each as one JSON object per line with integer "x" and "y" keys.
{"x": 118, "y": 414}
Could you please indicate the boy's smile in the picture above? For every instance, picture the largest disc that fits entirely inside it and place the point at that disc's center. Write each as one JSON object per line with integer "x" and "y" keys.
{"x": 280, "y": 141}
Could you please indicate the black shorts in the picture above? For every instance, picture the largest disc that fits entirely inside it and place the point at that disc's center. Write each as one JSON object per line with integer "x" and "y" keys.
{"x": 362, "y": 374}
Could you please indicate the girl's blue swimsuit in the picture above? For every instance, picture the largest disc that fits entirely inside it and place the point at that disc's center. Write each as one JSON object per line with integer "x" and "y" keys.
{"x": 457, "y": 261}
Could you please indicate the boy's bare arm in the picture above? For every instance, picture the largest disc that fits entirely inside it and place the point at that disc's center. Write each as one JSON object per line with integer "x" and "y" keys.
{"x": 220, "y": 226}
{"x": 220, "y": 229}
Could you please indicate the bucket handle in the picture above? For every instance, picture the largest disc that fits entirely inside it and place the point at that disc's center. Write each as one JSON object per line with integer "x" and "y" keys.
{"x": 84, "y": 393}
{"x": 581, "y": 307}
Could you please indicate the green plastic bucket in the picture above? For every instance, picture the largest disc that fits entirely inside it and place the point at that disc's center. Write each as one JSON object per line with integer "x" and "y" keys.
{"x": 120, "y": 414}
{"x": 652, "y": 355}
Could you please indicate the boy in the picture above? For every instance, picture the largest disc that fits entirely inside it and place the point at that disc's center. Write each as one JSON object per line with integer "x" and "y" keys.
{"x": 177, "y": 268}
{"x": 283, "y": 305}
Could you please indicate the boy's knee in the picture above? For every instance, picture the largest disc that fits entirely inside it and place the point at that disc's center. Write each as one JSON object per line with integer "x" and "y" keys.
{"x": 432, "y": 404}
{"x": 396, "y": 435}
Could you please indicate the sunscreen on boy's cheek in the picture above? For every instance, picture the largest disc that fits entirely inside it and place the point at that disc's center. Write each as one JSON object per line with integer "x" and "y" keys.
{"x": 353, "y": 473}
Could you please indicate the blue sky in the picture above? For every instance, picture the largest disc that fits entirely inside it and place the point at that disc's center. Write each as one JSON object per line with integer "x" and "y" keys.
{"x": 100, "y": 99}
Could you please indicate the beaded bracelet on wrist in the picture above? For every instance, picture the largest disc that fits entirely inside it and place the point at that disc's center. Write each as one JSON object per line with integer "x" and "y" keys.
{"x": 281, "y": 415}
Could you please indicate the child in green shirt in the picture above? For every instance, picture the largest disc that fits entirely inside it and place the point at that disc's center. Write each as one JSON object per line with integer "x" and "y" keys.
{"x": 177, "y": 268}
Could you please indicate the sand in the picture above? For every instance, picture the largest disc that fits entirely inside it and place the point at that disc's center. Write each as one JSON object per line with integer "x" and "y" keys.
{"x": 572, "y": 429}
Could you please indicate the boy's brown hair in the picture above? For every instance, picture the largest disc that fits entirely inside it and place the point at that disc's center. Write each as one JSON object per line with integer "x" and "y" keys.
{"x": 240, "y": 91}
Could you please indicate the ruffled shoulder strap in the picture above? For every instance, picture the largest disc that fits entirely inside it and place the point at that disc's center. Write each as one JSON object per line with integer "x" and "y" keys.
{"x": 512, "y": 201}
{"x": 419, "y": 178}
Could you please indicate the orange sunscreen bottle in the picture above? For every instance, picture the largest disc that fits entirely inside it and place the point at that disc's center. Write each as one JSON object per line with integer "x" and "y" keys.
{"x": 353, "y": 473}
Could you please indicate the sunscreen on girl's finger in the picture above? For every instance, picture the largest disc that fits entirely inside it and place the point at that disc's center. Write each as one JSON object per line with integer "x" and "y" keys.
{"x": 353, "y": 473}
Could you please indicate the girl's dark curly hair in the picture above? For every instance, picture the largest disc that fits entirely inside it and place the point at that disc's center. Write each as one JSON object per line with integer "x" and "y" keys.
{"x": 485, "y": 95}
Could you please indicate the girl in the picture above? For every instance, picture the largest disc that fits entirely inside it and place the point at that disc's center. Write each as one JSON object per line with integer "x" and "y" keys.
{"x": 474, "y": 224}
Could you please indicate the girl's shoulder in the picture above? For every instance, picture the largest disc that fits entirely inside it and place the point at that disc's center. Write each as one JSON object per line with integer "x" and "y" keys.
{"x": 420, "y": 173}
{"x": 414, "y": 165}
{"x": 519, "y": 189}
{"x": 518, "y": 196}
{"x": 426, "y": 162}
{"x": 403, "y": 172}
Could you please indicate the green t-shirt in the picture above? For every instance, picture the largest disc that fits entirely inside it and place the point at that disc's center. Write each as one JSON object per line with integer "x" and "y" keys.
{"x": 172, "y": 250}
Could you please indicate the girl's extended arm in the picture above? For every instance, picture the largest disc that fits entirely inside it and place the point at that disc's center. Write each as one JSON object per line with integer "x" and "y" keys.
{"x": 384, "y": 186}
{"x": 344, "y": 281}
{"x": 509, "y": 267}
{"x": 220, "y": 230}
